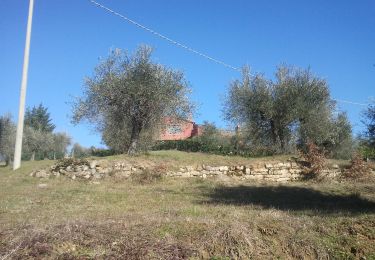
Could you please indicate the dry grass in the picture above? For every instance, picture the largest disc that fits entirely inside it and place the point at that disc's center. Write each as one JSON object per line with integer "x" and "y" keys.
{"x": 183, "y": 218}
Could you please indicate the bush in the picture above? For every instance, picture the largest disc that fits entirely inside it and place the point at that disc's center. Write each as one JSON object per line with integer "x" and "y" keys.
{"x": 100, "y": 152}
{"x": 220, "y": 147}
{"x": 358, "y": 167}
{"x": 367, "y": 151}
{"x": 314, "y": 156}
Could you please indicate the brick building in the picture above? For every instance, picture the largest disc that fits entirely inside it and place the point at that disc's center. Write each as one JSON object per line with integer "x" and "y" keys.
{"x": 179, "y": 129}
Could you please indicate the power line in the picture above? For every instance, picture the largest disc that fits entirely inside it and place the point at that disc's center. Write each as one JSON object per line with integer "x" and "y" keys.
{"x": 181, "y": 45}
{"x": 350, "y": 102}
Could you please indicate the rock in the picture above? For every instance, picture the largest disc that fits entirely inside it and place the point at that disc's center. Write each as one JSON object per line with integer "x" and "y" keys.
{"x": 240, "y": 168}
{"x": 195, "y": 173}
{"x": 73, "y": 177}
{"x": 105, "y": 171}
{"x": 93, "y": 164}
{"x": 42, "y": 185}
{"x": 95, "y": 182}
{"x": 97, "y": 176}
{"x": 207, "y": 167}
{"x": 122, "y": 174}
{"x": 223, "y": 168}
{"x": 247, "y": 171}
{"x": 85, "y": 167}
{"x": 87, "y": 176}
{"x": 335, "y": 166}
{"x": 41, "y": 174}
{"x": 69, "y": 168}
{"x": 204, "y": 176}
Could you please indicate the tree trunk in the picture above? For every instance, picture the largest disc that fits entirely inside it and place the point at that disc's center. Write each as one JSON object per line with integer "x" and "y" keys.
{"x": 282, "y": 139}
{"x": 8, "y": 160}
{"x": 32, "y": 156}
{"x": 273, "y": 132}
{"x": 54, "y": 155}
{"x": 136, "y": 129}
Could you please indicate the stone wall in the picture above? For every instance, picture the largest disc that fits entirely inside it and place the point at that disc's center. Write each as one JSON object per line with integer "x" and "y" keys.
{"x": 279, "y": 172}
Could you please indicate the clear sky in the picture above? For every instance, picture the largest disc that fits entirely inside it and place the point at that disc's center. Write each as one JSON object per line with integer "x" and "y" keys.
{"x": 335, "y": 38}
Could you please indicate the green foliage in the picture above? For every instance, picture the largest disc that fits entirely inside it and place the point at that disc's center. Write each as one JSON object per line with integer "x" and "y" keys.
{"x": 7, "y": 138}
{"x": 367, "y": 139}
{"x": 284, "y": 114}
{"x": 128, "y": 97}
{"x": 101, "y": 152}
{"x": 36, "y": 143}
{"x": 39, "y": 119}
{"x": 366, "y": 151}
{"x": 369, "y": 121}
{"x": 60, "y": 143}
{"x": 79, "y": 151}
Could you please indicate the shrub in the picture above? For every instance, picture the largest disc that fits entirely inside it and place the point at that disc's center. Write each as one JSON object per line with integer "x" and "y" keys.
{"x": 314, "y": 156}
{"x": 358, "y": 167}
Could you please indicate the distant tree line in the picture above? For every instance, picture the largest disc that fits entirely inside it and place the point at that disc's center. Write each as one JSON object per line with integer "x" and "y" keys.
{"x": 39, "y": 140}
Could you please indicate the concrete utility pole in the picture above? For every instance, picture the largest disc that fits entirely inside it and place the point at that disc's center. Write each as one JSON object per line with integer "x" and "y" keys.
{"x": 21, "y": 111}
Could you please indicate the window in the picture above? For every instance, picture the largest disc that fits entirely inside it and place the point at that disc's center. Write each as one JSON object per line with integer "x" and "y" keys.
{"x": 174, "y": 129}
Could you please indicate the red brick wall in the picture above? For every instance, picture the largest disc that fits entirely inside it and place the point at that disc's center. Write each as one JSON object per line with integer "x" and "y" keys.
{"x": 179, "y": 130}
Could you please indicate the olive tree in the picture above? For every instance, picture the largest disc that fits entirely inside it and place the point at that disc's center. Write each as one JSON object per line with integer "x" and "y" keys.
{"x": 369, "y": 121}
{"x": 286, "y": 112}
{"x": 7, "y": 138}
{"x": 128, "y": 96}
{"x": 36, "y": 141}
{"x": 367, "y": 139}
{"x": 61, "y": 141}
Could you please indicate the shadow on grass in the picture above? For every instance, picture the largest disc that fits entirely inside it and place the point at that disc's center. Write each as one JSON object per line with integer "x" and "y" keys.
{"x": 291, "y": 199}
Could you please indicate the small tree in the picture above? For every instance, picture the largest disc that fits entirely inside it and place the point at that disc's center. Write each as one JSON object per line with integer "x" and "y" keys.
{"x": 78, "y": 151}
{"x": 7, "y": 138}
{"x": 36, "y": 141}
{"x": 128, "y": 97}
{"x": 61, "y": 141}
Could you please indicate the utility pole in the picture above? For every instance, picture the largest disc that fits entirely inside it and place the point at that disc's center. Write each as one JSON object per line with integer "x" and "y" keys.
{"x": 21, "y": 111}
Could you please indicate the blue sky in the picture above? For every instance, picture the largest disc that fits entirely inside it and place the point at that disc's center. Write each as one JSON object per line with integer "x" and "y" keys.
{"x": 335, "y": 38}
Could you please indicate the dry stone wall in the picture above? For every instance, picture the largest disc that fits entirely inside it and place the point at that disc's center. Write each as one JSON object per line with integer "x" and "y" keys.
{"x": 94, "y": 170}
{"x": 279, "y": 172}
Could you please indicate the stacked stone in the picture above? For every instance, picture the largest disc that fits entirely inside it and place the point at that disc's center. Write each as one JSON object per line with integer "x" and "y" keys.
{"x": 274, "y": 172}
{"x": 88, "y": 170}
{"x": 279, "y": 172}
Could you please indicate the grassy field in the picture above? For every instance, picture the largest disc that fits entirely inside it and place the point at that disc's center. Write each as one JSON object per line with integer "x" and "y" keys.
{"x": 183, "y": 218}
{"x": 177, "y": 158}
